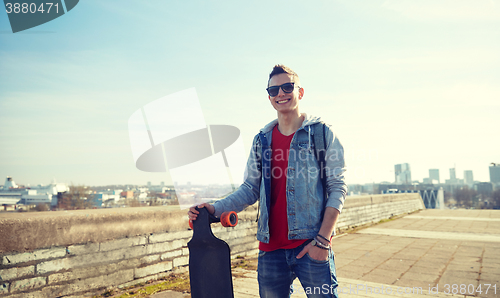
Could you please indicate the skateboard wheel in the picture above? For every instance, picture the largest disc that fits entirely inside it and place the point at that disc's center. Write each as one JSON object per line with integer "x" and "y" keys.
{"x": 191, "y": 224}
{"x": 229, "y": 219}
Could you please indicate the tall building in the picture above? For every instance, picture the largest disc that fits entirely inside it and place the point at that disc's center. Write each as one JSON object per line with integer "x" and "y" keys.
{"x": 434, "y": 175}
{"x": 495, "y": 173}
{"x": 397, "y": 172}
{"x": 468, "y": 177}
{"x": 453, "y": 178}
{"x": 453, "y": 175}
{"x": 402, "y": 173}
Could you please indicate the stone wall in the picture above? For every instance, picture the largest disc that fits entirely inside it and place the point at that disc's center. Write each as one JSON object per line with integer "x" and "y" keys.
{"x": 371, "y": 209}
{"x": 72, "y": 253}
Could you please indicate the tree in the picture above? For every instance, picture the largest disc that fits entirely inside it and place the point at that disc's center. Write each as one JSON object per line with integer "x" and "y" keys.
{"x": 63, "y": 202}
{"x": 42, "y": 207}
{"x": 78, "y": 197}
{"x": 448, "y": 198}
{"x": 464, "y": 196}
{"x": 134, "y": 203}
{"x": 495, "y": 198}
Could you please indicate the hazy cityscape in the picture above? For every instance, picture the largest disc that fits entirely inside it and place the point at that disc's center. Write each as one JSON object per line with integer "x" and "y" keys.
{"x": 455, "y": 192}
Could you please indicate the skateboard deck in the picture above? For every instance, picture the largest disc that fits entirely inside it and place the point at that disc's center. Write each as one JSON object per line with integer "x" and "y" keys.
{"x": 209, "y": 260}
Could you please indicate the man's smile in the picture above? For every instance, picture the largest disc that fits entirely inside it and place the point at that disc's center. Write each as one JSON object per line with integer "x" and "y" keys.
{"x": 282, "y": 101}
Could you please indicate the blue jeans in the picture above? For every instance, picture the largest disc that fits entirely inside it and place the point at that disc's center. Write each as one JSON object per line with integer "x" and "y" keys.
{"x": 277, "y": 270}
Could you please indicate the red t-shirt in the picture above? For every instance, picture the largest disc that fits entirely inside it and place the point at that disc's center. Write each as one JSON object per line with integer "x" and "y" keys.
{"x": 278, "y": 220}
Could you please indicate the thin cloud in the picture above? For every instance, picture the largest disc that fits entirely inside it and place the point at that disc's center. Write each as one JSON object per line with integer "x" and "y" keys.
{"x": 469, "y": 58}
{"x": 453, "y": 10}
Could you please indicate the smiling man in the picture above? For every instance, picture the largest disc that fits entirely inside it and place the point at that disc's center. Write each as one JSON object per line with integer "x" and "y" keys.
{"x": 297, "y": 211}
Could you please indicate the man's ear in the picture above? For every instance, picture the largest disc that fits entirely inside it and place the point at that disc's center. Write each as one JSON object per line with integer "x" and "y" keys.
{"x": 301, "y": 93}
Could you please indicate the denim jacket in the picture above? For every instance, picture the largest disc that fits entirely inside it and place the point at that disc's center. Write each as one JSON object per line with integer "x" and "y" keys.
{"x": 305, "y": 199}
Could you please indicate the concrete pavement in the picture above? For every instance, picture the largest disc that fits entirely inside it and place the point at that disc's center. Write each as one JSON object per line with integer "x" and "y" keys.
{"x": 431, "y": 253}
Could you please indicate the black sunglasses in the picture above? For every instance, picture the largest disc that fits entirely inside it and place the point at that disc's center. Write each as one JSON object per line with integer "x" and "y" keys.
{"x": 274, "y": 90}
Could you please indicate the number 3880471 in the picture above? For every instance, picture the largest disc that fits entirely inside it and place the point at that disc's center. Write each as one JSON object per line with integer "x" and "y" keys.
{"x": 31, "y": 7}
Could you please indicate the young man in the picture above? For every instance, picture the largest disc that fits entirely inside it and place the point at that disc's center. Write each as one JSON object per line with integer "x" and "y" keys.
{"x": 296, "y": 219}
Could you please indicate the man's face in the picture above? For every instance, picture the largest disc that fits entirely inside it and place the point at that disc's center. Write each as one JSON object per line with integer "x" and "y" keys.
{"x": 285, "y": 102}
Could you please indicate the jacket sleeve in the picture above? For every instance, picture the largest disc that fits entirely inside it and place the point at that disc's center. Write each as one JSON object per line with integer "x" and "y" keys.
{"x": 249, "y": 192}
{"x": 334, "y": 169}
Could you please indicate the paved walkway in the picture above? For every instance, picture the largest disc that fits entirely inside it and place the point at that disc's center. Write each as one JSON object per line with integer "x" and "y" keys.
{"x": 431, "y": 253}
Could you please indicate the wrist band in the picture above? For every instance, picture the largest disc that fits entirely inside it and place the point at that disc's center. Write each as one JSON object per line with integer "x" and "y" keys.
{"x": 320, "y": 236}
{"x": 328, "y": 244}
{"x": 320, "y": 244}
{"x": 325, "y": 248}
{"x": 315, "y": 243}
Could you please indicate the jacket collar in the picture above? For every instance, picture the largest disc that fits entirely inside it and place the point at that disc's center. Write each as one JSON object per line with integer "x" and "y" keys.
{"x": 308, "y": 120}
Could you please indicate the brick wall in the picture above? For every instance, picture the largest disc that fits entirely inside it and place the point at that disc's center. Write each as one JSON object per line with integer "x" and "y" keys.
{"x": 131, "y": 246}
{"x": 99, "y": 263}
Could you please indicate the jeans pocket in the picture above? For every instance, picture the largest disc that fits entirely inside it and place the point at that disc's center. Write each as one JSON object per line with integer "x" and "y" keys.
{"x": 262, "y": 253}
{"x": 316, "y": 261}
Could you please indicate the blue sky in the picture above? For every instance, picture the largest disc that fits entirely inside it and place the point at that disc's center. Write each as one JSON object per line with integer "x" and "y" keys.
{"x": 401, "y": 81}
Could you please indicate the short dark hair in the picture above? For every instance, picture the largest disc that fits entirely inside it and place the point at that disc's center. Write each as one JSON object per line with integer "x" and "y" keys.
{"x": 279, "y": 69}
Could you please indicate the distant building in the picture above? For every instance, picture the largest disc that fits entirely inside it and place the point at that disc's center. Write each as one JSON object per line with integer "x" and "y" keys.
{"x": 12, "y": 193}
{"x": 468, "y": 177}
{"x": 453, "y": 178}
{"x": 434, "y": 175}
{"x": 361, "y": 189}
{"x": 495, "y": 173}
{"x": 484, "y": 188}
{"x": 402, "y": 173}
{"x": 141, "y": 194}
{"x": 129, "y": 194}
{"x": 106, "y": 197}
{"x": 10, "y": 198}
{"x": 9, "y": 183}
{"x": 397, "y": 172}
{"x": 159, "y": 189}
{"x": 453, "y": 175}
{"x": 97, "y": 199}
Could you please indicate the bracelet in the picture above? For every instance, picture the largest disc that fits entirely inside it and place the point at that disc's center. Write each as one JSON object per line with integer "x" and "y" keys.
{"x": 328, "y": 244}
{"x": 322, "y": 247}
{"x": 320, "y": 236}
{"x": 316, "y": 243}
{"x": 320, "y": 244}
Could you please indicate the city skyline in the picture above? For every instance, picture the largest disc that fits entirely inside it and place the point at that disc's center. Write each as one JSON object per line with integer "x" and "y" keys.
{"x": 404, "y": 172}
{"x": 399, "y": 81}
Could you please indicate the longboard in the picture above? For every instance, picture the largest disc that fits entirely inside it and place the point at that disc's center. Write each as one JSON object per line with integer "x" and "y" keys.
{"x": 210, "y": 258}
